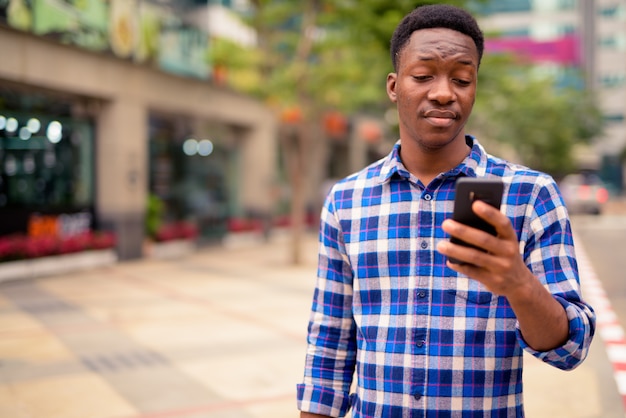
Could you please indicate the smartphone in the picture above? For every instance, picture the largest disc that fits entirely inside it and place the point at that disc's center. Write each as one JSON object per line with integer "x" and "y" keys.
{"x": 467, "y": 191}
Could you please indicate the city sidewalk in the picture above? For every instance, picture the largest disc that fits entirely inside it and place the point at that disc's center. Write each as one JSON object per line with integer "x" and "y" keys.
{"x": 219, "y": 333}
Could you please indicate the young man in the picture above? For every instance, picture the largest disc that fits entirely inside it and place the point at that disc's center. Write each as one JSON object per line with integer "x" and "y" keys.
{"x": 423, "y": 336}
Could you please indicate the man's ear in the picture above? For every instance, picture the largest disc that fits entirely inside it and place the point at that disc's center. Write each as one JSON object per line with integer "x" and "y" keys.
{"x": 391, "y": 86}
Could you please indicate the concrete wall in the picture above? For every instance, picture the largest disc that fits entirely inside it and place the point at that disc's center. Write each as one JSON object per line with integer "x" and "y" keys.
{"x": 125, "y": 93}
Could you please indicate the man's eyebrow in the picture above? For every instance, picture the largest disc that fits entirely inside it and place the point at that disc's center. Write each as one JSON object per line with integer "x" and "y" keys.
{"x": 465, "y": 61}
{"x": 431, "y": 57}
{"x": 425, "y": 57}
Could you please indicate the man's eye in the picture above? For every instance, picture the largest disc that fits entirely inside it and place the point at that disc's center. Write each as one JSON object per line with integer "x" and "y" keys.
{"x": 463, "y": 82}
{"x": 421, "y": 77}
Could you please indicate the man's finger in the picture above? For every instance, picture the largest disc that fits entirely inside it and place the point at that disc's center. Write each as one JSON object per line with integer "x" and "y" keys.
{"x": 496, "y": 218}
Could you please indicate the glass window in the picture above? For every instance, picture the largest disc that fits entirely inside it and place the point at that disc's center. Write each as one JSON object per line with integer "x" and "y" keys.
{"x": 191, "y": 172}
{"x": 613, "y": 80}
{"x": 46, "y": 158}
{"x": 567, "y": 4}
{"x": 613, "y": 41}
{"x": 499, "y": 6}
{"x": 612, "y": 11}
{"x": 614, "y": 117}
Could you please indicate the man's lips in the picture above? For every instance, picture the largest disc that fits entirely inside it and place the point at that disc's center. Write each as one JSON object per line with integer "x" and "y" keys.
{"x": 438, "y": 113}
{"x": 440, "y": 118}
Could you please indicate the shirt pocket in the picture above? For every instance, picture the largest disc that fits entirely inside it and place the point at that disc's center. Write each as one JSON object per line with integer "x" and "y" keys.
{"x": 466, "y": 289}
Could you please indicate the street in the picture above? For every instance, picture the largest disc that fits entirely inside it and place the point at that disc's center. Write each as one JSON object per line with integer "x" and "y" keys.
{"x": 220, "y": 333}
{"x": 604, "y": 239}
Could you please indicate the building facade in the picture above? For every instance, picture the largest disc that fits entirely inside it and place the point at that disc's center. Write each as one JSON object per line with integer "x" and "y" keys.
{"x": 104, "y": 104}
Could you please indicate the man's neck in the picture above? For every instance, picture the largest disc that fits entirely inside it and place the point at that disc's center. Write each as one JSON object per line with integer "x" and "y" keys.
{"x": 426, "y": 164}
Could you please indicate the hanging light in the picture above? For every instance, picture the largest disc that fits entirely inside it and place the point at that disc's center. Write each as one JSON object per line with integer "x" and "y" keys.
{"x": 33, "y": 125}
{"x": 190, "y": 147}
{"x": 54, "y": 133}
{"x": 205, "y": 147}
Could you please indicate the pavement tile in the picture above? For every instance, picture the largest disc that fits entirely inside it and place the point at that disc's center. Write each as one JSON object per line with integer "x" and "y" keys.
{"x": 5, "y": 303}
{"x": 78, "y": 396}
{"x": 214, "y": 329}
{"x": 275, "y": 408}
{"x": 32, "y": 348}
{"x": 220, "y": 333}
{"x": 13, "y": 321}
{"x": 553, "y": 393}
{"x": 257, "y": 375}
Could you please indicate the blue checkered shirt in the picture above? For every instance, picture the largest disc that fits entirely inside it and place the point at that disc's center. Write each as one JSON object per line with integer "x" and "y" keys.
{"x": 423, "y": 340}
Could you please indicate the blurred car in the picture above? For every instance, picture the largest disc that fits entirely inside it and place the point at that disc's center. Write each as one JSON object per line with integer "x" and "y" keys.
{"x": 584, "y": 193}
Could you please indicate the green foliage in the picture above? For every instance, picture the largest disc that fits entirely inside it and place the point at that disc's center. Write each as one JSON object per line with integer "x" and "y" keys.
{"x": 541, "y": 121}
{"x": 241, "y": 63}
{"x": 346, "y": 64}
{"x": 334, "y": 54}
{"x": 154, "y": 215}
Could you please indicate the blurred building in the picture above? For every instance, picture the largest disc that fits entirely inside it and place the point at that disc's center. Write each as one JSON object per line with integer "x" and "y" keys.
{"x": 583, "y": 44}
{"x": 104, "y": 103}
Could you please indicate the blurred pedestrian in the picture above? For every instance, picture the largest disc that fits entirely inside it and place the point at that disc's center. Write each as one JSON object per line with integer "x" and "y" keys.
{"x": 424, "y": 336}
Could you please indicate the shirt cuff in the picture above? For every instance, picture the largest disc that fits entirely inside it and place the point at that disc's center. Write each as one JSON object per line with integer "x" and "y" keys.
{"x": 573, "y": 352}
{"x": 322, "y": 400}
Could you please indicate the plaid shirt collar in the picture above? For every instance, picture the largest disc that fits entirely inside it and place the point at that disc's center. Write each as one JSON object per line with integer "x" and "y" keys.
{"x": 474, "y": 165}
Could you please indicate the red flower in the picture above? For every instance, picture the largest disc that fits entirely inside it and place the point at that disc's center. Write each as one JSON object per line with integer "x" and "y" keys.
{"x": 39, "y": 246}
{"x": 176, "y": 230}
{"x": 18, "y": 246}
{"x": 102, "y": 240}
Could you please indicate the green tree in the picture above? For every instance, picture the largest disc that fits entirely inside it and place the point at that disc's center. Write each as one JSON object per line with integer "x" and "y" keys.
{"x": 541, "y": 121}
{"x": 314, "y": 56}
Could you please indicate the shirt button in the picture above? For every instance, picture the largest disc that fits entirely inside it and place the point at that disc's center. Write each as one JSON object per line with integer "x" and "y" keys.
{"x": 428, "y": 196}
{"x": 424, "y": 245}
{"x": 420, "y": 343}
{"x": 417, "y": 396}
{"x": 422, "y": 294}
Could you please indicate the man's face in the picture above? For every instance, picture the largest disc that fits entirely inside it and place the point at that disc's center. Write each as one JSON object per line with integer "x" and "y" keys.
{"x": 434, "y": 87}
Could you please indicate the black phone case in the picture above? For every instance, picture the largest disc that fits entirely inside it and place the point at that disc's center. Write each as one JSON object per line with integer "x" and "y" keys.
{"x": 468, "y": 190}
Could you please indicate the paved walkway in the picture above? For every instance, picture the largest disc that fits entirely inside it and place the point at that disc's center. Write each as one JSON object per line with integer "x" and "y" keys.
{"x": 219, "y": 333}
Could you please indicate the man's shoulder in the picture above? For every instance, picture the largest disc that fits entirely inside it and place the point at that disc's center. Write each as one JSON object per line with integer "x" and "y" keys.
{"x": 515, "y": 173}
{"x": 367, "y": 177}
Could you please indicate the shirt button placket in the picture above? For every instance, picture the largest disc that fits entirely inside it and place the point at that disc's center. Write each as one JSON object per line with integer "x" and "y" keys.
{"x": 419, "y": 335}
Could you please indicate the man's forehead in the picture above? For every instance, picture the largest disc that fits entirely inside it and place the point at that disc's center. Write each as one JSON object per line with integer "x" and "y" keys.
{"x": 443, "y": 42}
{"x": 442, "y": 38}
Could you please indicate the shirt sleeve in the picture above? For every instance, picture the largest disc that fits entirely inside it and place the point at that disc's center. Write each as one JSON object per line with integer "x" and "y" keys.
{"x": 331, "y": 349}
{"x": 550, "y": 255}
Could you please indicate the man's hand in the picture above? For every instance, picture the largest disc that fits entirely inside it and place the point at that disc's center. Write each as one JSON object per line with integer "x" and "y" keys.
{"x": 310, "y": 415}
{"x": 502, "y": 270}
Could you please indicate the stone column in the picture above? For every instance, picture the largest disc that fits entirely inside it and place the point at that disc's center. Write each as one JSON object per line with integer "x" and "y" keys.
{"x": 121, "y": 164}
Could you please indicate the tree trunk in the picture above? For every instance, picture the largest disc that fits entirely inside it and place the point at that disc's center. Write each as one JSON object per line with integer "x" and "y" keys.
{"x": 294, "y": 140}
{"x": 299, "y": 154}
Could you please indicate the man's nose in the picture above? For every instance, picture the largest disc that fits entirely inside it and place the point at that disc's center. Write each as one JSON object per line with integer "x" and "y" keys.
{"x": 441, "y": 91}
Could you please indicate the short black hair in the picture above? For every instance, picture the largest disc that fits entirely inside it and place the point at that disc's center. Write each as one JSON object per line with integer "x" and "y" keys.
{"x": 435, "y": 16}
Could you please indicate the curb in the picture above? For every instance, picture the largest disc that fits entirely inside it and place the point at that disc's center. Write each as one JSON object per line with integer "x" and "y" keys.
{"x": 58, "y": 264}
{"x": 607, "y": 323}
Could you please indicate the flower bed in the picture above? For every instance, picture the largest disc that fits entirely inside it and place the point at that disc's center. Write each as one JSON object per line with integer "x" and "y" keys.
{"x": 23, "y": 247}
{"x": 176, "y": 231}
{"x": 171, "y": 240}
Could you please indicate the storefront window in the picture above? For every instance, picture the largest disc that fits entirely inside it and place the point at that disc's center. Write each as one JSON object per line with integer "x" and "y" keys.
{"x": 189, "y": 174}
{"x": 46, "y": 160}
